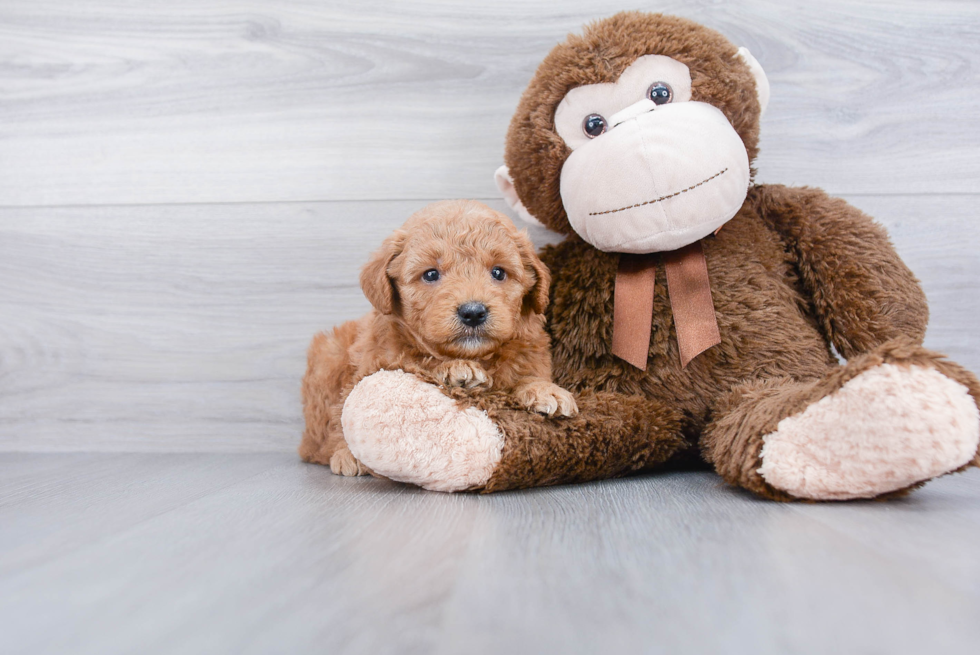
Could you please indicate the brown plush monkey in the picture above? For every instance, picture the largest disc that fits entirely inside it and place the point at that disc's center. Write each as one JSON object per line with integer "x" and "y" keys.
{"x": 680, "y": 339}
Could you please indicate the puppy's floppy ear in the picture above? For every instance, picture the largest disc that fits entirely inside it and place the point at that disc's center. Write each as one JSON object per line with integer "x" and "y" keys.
{"x": 536, "y": 299}
{"x": 377, "y": 285}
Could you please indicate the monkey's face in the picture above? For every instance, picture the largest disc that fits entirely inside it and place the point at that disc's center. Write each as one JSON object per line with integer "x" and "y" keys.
{"x": 638, "y": 135}
{"x": 649, "y": 170}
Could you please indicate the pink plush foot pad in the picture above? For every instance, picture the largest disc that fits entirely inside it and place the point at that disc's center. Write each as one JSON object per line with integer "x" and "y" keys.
{"x": 884, "y": 430}
{"x": 408, "y": 430}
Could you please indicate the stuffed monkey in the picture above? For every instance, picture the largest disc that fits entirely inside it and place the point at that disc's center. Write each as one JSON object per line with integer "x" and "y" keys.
{"x": 692, "y": 313}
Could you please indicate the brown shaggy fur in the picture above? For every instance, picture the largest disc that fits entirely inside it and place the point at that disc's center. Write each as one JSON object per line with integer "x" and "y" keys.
{"x": 793, "y": 273}
{"x": 415, "y": 325}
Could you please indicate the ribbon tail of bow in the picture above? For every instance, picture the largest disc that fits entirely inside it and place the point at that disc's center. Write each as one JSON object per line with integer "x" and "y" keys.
{"x": 633, "y": 308}
{"x": 690, "y": 301}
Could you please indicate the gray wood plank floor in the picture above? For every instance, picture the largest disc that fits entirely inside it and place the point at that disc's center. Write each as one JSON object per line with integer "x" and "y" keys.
{"x": 187, "y": 192}
{"x": 259, "y": 553}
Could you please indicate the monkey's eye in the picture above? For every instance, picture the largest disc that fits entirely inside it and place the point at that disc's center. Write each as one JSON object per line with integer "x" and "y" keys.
{"x": 430, "y": 275}
{"x": 498, "y": 273}
{"x": 593, "y": 125}
{"x": 660, "y": 93}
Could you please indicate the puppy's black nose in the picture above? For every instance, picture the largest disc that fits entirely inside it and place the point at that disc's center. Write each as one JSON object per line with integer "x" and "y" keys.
{"x": 472, "y": 314}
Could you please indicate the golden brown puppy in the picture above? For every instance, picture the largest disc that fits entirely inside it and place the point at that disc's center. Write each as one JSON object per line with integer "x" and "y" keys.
{"x": 458, "y": 296}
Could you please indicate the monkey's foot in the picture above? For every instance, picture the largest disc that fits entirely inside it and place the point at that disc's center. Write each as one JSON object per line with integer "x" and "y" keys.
{"x": 407, "y": 430}
{"x": 884, "y": 430}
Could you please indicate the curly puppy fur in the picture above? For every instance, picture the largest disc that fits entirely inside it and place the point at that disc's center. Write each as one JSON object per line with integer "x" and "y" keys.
{"x": 416, "y": 325}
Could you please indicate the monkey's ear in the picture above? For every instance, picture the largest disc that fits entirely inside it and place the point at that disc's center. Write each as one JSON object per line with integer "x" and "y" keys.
{"x": 761, "y": 81}
{"x": 375, "y": 280}
{"x": 536, "y": 299}
{"x": 506, "y": 185}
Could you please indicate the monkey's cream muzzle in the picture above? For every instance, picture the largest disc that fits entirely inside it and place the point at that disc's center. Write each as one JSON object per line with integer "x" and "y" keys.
{"x": 659, "y": 179}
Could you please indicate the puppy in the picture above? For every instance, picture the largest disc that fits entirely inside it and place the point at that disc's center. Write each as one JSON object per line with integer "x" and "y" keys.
{"x": 458, "y": 297}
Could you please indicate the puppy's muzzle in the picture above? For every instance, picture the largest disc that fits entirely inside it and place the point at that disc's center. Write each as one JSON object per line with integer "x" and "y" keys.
{"x": 472, "y": 314}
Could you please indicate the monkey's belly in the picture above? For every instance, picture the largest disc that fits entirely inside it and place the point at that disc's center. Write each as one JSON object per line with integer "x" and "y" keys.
{"x": 765, "y": 338}
{"x": 765, "y": 333}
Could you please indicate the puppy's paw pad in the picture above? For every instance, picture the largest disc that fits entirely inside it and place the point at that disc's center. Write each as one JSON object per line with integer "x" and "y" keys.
{"x": 548, "y": 399}
{"x": 566, "y": 403}
{"x": 344, "y": 463}
{"x": 462, "y": 374}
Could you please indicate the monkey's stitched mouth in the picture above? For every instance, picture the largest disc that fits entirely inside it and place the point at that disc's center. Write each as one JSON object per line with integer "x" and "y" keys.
{"x": 661, "y": 198}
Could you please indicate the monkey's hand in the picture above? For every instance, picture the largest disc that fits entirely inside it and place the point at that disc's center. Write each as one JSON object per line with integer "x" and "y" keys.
{"x": 462, "y": 373}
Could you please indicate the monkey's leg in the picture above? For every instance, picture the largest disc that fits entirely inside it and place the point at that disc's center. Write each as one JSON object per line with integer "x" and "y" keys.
{"x": 884, "y": 423}
{"x": 408, "y": 430}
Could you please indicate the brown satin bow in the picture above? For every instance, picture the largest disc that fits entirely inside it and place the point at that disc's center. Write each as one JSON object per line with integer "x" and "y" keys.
{"x": 690, "y": 302}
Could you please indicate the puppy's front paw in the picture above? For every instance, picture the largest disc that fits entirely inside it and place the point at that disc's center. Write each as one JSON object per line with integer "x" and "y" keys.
{"x": 547, "y": 398}
{"x": 344, "y": 463}
{"x": 462, "y": 373}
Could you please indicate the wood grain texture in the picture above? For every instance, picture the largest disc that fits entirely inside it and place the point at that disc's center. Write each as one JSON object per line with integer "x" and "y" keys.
{"x": 230, "y": 101}
{"x": 184, "y": 328}
{"x": 290, "y": 559}
{"x": 50, "y": 506}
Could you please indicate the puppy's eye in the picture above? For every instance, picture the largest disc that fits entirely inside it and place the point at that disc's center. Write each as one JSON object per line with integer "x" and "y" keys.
{"x": 430, "y": 275}
{"x": 498, "y": 273}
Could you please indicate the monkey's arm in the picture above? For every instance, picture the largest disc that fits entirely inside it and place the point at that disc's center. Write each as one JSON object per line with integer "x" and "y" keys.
{"x": 455, "y": 439}
{"x": 862, "y": 292}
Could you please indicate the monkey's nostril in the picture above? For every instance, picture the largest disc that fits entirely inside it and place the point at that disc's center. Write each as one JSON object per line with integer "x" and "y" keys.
{"x": 472, "y": 314}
